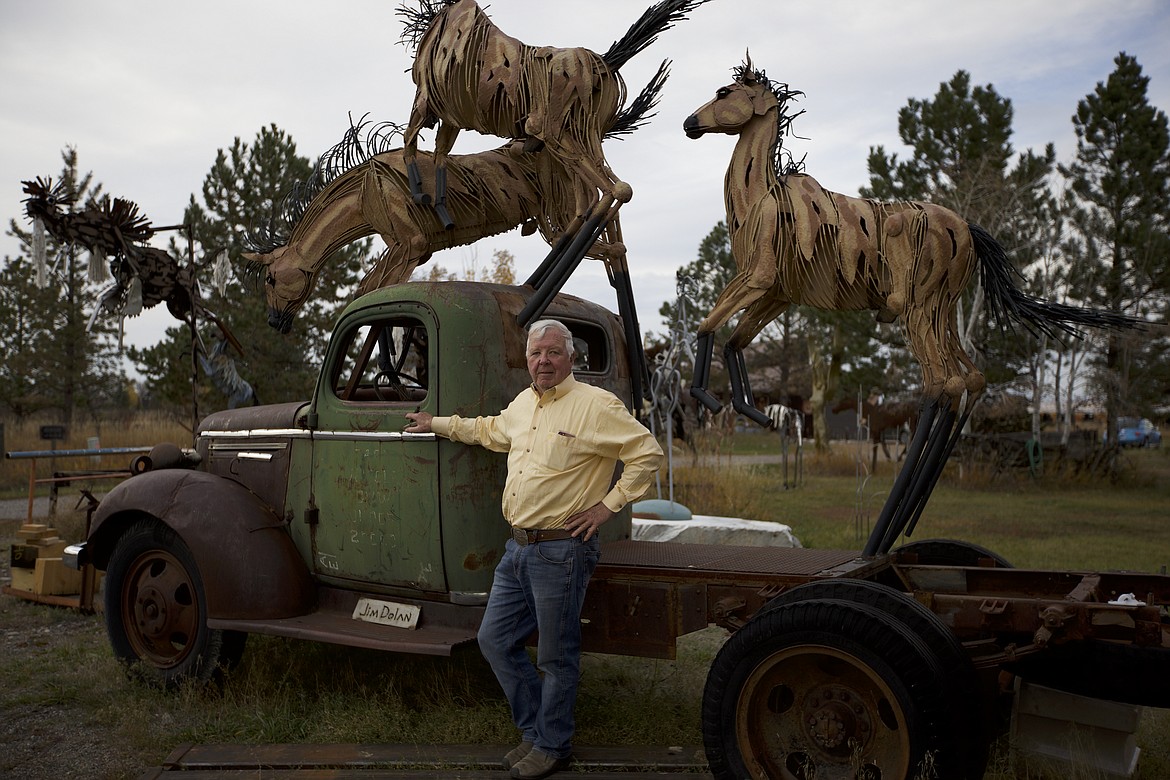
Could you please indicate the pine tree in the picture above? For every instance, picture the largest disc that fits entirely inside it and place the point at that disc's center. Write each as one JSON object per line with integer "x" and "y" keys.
{"x": 26, "y": 332}
{"x": 1121, "y": 181}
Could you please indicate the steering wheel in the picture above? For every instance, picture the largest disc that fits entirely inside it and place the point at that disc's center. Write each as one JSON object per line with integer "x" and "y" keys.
{"x": 388, "y": 385}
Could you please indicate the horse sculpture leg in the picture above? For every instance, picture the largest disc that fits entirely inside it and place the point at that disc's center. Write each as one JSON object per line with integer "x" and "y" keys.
{"x": 704, "y": 350}
{"x": 737, "y": 295}
{"x": 751, "y": 322}
{"x": 420, "y": 117}
{"x": 444, "y": 143}
{"x": 742, "y": 399}
{"x": 393, "y": 266}
{"x": 564, "y": 259}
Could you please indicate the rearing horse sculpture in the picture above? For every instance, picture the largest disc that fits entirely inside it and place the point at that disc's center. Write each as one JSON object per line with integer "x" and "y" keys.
{"x": 470, "y": 75}
{"x": 361, "y": 187}
{"x": 795, "y": 242}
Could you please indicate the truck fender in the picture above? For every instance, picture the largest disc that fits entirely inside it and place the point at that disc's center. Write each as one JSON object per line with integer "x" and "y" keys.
{"x": 249, "y": 564}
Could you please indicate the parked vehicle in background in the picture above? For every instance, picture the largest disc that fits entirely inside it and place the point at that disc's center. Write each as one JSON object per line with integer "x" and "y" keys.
{"x": 1134, "y": 432}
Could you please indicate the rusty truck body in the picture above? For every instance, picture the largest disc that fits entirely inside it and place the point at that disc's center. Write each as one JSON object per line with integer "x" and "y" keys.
{"x": 323, "y": 520}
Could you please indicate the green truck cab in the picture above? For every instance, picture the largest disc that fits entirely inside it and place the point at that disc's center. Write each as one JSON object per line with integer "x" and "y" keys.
{"x": 293, "y": 518}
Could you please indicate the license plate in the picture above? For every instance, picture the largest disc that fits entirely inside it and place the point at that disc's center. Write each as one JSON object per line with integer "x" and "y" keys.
{"x": 387, "y": 613}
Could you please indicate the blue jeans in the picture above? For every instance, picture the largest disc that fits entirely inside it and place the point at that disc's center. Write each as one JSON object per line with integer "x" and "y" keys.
{"x": 539, "y": 587}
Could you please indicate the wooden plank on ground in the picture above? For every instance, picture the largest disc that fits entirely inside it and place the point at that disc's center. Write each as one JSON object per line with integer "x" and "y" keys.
{"x": 159, "y": 773}
{"x": 72, "y": 602}
{"x": 405, "y": 762}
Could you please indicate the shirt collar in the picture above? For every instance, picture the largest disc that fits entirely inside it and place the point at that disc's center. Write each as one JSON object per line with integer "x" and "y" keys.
{"x": 557, "y": 391}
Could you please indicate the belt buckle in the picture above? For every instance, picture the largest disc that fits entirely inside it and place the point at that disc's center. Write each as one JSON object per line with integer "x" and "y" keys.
{"x": 523, "y": 537}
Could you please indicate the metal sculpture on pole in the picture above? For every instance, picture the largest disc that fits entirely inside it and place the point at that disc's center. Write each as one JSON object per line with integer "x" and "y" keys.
{"x": 113, "y": 230}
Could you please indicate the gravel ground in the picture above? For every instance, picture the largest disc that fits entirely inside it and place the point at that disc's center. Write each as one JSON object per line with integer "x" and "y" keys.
{"x": 45, "y": 736}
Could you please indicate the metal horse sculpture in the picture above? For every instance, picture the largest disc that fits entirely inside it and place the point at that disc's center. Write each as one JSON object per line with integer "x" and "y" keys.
{"x": 361, "y": 187}
{"x": 795, "y": 242}
{"x": 114, "y": 229}
{"x": 470, "y": 75}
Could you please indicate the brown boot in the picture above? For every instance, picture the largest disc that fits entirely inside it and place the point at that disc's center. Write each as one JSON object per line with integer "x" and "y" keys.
{"x": 513, "y": 756}
{"x": 536, "y": 765}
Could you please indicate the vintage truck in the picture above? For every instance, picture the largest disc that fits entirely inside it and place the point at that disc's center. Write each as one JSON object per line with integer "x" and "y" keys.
{"x": 325, "y": 521}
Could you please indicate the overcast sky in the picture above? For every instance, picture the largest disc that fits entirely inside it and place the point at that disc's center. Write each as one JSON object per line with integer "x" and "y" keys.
{"x": 147, "y": 92}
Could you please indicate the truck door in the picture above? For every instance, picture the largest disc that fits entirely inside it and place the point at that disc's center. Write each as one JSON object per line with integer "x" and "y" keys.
{"x": 375, "y": 489}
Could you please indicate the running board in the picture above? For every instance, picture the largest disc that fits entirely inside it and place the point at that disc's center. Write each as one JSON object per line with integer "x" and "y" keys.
{"x": 440, "y": 629}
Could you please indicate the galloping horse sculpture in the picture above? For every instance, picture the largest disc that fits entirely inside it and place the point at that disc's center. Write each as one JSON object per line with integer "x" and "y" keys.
{"x": 795, "y": 242}
{"x": 359, "y": 188}
{"x": 470, "y": 75}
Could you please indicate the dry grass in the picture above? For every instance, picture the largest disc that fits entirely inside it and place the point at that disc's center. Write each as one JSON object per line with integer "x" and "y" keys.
{"x": 143, "y": 429}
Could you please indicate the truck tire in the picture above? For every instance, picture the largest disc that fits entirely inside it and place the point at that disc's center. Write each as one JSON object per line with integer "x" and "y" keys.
{"x": 951, "y": 552}
{"x": 156, "y": 610}
{"x": 967, "y": 713}
{"x": 829, "y": 689}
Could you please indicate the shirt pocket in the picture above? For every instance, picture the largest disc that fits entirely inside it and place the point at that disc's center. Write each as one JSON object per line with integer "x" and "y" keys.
{"x": 563, "y": 451}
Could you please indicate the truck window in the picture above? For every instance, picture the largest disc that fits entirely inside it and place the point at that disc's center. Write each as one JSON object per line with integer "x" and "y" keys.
{"x": 591, "y": 345}
{"x": 384, "y": 362}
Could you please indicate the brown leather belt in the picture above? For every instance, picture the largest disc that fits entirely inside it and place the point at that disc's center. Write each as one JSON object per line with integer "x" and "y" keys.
{"x": 526, "y": 536}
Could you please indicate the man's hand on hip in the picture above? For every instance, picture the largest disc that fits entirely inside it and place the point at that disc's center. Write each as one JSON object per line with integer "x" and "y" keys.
{"x": 586, "y": 524}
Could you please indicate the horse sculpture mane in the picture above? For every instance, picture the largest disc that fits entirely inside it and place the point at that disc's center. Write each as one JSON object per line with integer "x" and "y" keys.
{"x": 361, "y": 143}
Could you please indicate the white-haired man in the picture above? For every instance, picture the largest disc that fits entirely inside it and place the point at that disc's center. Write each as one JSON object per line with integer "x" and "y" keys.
{"x": 563, "y": 439}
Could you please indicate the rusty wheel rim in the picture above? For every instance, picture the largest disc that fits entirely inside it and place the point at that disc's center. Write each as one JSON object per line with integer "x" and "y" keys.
{"x": 159, "y": 609}
{"x": 818, "y": 712}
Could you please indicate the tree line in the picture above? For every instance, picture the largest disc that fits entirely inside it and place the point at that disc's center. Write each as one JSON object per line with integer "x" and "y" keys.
{"x": 1090, "y": 231}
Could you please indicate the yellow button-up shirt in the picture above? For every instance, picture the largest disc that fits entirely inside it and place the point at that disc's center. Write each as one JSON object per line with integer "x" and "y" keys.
{"x": 562, "y": 448}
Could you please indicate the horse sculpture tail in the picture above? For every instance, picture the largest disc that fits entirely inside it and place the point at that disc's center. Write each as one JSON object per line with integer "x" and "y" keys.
{"x": 1007, "y": 302}
{"x": 656, "y": 19}
{"x": 634, "y": 116}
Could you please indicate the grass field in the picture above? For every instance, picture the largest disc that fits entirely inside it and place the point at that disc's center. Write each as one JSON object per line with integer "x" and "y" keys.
{"x": 67, "y": 710}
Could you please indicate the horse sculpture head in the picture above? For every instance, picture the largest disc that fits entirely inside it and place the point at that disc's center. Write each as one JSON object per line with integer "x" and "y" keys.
{"x": 287, "y": 283}
{"x": 751, "y": 94}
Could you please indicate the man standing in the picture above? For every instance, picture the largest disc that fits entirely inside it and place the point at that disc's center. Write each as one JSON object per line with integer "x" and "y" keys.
{"x": 563, "y": 439}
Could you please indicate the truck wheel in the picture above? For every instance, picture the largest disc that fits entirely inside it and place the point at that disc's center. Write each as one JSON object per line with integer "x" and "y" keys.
{"x": 156, "y": 611}
{"x": 825, "y": 689}
{"x": 951, "y": 552}
{"x": 969, "y": 761}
